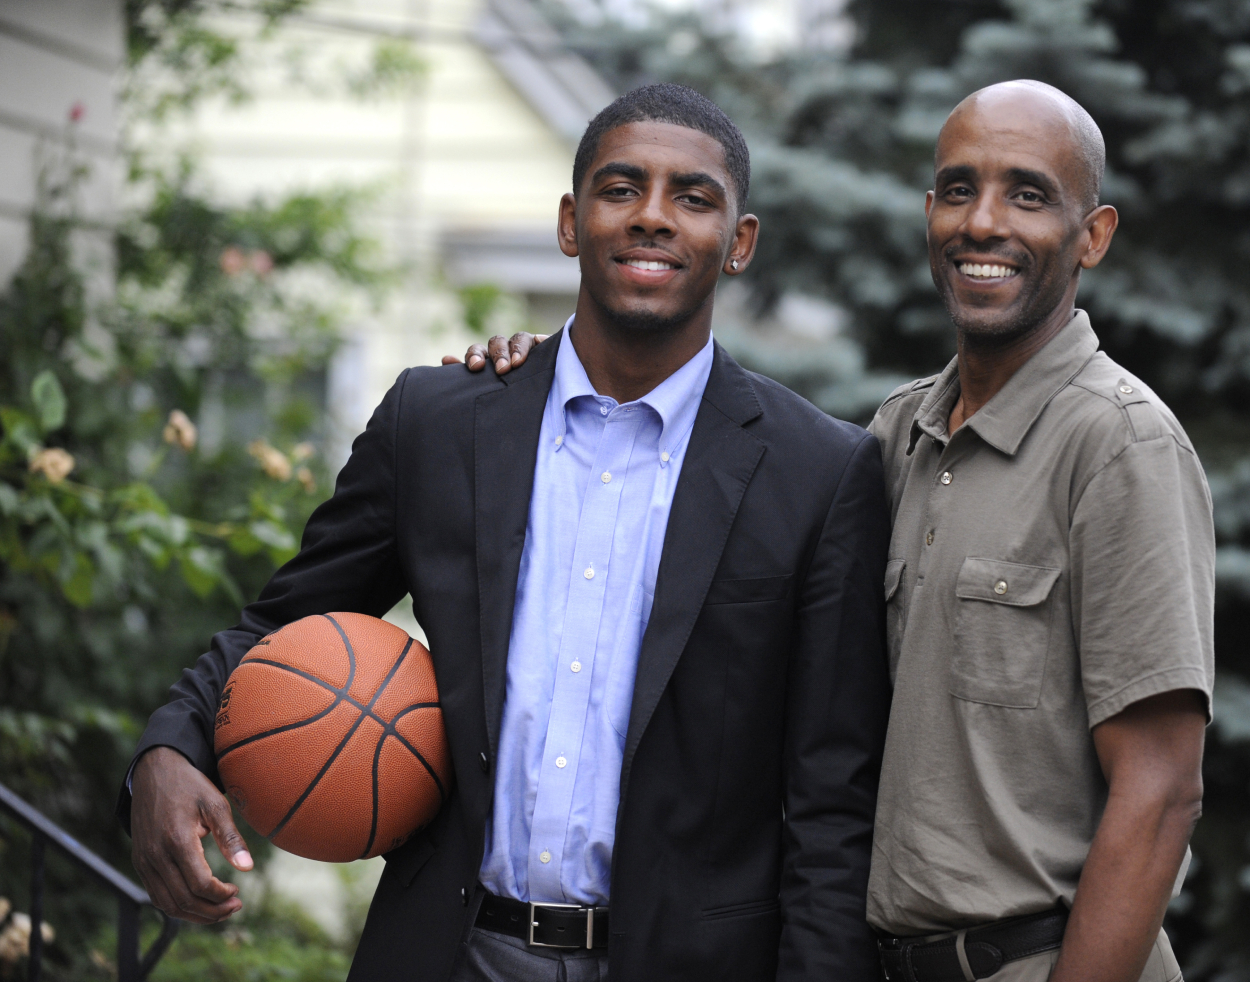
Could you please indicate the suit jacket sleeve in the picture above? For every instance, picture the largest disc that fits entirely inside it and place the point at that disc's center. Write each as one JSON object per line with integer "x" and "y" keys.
{"x": 347, "y": 561}
{"x": 838, "y": 704}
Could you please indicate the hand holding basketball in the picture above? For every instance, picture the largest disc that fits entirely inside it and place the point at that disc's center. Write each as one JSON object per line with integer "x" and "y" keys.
{"x": 173, "y": 808}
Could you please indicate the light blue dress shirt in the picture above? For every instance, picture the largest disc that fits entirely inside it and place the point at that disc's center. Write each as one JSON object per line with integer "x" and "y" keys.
{"x": 603, "y": 486}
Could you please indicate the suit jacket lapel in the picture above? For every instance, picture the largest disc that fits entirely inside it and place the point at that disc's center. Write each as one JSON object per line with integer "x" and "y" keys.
{"x": 717, "y": 468}
{"x": 507, "y": 425}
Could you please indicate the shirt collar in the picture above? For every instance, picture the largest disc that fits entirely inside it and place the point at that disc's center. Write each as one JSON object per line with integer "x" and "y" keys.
{"x": 1006, "y": 419}
{"x": 676, "y": 399}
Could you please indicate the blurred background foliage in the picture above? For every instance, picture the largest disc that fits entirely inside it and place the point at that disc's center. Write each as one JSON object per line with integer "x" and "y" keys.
{"x": 129, "y": 534}
{"x": 113, "y": 573}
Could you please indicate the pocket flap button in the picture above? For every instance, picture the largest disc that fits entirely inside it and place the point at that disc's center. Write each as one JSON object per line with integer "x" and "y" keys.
{"x": 1000, "y": 587}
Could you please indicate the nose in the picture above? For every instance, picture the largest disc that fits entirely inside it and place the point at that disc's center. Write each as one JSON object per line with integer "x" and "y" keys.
{"x": 985, "y": 220}
{"x": 653, "y": 218}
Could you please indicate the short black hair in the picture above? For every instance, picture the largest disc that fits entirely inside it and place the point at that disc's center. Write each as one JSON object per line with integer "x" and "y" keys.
{"x": 676, "y": 104}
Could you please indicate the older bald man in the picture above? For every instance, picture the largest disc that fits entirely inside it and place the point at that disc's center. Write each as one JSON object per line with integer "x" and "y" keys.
{"x": 1050, "y": 587}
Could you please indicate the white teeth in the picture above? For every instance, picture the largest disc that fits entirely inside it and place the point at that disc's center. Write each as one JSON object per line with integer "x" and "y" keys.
{"x": 987, "y": 271}
{"x": 648, "y": 264}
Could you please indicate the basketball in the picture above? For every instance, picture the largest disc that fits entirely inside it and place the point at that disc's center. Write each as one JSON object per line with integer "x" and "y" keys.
{"x": 330, "y": 737}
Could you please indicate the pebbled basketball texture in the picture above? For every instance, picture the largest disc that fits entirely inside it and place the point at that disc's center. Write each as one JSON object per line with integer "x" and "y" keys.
{"x": 330, "y": 737}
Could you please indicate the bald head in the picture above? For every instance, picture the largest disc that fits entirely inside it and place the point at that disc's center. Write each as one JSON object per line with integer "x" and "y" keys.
{"x": 1036, "y": 105}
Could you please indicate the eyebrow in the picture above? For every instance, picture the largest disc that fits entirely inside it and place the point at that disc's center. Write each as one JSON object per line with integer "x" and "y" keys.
{"x": 1016, "y": 175}
{"x": 956, "y": 172}
{"x": 692, "y": 179}
{"x": 1021, "y": 175}
{"x": 621, "y": 169}
{"x": 698, "y": 179}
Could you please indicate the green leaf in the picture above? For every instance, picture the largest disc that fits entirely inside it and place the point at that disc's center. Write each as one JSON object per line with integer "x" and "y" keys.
{"x": 49, "y": 400}
{"x": 19, "y": 429}
{"x": 79, "y": 585}
{"x": 201, "y": 570}
{"x": 274, "y": 535}
{"x": 10, "y": 500}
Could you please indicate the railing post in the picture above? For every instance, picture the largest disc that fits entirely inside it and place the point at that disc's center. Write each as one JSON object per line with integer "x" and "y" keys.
{"x": 127, "y": 940}
{"x": 34, "y": 964}
{"x": 130, "y": 897}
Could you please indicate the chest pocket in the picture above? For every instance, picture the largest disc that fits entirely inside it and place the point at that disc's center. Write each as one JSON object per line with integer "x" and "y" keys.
{"x": 1002, "y": 632}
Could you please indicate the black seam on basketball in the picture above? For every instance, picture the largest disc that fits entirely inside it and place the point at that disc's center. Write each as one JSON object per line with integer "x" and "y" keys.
{"x": 341, "y": 693}
{"x": 281, "y": 729}
{"x": 351, "y": 652}
{"x": 442, "y": 795}
{"x": 320, "y": 774}
{"x": 373, "y": 825}
{"x": 377, "y": 751}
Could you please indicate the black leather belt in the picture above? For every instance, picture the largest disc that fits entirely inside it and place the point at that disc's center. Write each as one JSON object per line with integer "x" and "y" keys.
{"x": 545, "y": 925}
{"x": 985, "y": 949}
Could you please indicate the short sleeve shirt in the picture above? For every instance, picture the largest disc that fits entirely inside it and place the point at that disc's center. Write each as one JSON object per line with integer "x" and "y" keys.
{"x": 1051, "y": 563}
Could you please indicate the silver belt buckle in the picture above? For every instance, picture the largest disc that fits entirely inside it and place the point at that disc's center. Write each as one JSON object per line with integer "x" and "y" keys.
{"x": 590, "y": 925}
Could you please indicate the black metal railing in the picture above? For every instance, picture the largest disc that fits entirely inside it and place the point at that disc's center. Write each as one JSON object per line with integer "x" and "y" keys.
{"x": 130, "y": 897}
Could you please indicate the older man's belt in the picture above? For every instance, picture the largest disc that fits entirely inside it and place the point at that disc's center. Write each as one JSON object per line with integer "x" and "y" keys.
{"x": 976, "y": 953}
{"x": 545, "y": 925}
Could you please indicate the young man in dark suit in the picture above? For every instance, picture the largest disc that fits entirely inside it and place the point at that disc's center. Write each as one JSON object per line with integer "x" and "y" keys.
{"x": 651, "y": 583}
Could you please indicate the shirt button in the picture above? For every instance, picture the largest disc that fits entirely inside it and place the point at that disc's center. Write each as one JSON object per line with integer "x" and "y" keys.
{"x": 1000, "y": 587}
{"x": 1126, "y": 389}
{"x": 590, "y": 573}
{"x": 562, "y": 762}
{"x": 946, "y": 477}
{"x": 603, "y": 410}
{"x": 605, "y": 477}
{"x": 928, "y": 539}
{"x": 664, "y": 456}
{"x": 576, "y": 666}
{"x": 559, "y": 440}
{"x": 544, "y": 856}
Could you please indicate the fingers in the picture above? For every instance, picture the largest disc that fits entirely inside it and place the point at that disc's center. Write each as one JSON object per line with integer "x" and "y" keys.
{"x": 475, "y": 357}
{"x": 500, "y": 356}
{"x": 519, "y": 348}
{"x": 179, "y": 881}
{"x": 173, "y": 807}
{"x": 504, "y": 353}
{"x": 217, "y": 817}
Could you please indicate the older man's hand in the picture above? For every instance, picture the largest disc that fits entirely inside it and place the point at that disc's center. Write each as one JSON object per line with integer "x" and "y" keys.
{"x": 504, "y": 353}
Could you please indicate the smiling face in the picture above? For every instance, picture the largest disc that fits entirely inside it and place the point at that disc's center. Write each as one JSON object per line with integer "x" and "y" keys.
{"x": 654, "y": 224}
{"x": 1009, "y": 223}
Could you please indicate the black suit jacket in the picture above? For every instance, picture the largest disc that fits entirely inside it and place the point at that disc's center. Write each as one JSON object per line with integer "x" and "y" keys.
{"x": 750, "y": 768}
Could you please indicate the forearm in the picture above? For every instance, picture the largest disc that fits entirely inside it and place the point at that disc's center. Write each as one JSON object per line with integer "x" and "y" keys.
{"x": 1133, "y": 862}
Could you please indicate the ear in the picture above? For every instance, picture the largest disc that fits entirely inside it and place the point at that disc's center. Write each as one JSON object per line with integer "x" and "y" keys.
{"x": 1100, "y": 226}
{"x": 746, "y": 234}
{"x": 566, "y": 226}
{"x": 928, "y": 203}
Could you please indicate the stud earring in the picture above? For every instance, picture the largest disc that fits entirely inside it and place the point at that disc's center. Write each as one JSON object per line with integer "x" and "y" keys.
{"x": 733, "y": 263}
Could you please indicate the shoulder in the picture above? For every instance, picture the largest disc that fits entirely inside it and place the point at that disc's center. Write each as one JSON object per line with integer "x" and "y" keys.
{"x": 787, "y": 418}
{"x": 1111, "y": 404}
{"x": 901, "y": 405}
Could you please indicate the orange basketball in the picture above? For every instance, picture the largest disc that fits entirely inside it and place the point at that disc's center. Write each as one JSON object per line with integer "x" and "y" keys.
{"x": 330, "y": 737}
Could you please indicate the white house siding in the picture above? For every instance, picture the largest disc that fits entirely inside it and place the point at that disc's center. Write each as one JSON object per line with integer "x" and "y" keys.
{"x": 55, "y": 54}
{"x": 470, "y": 164}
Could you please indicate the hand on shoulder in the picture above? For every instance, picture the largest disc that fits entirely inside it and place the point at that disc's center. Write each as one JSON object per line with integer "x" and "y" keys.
{"x": 505, "y": 353}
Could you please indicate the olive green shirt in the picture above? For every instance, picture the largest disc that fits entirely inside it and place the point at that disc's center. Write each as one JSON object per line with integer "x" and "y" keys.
{"x": 1051, "y": 563}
